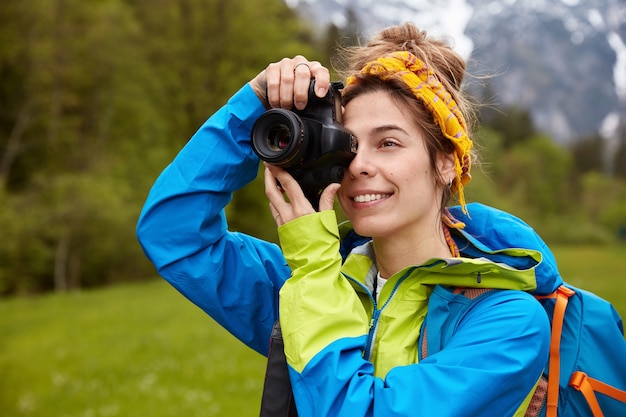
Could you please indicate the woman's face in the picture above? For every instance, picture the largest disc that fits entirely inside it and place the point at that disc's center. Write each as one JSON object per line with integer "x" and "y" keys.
{"x": 389, "y": 190}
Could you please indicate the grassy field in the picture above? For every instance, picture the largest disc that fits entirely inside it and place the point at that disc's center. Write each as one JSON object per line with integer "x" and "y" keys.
{"x": 600, "y": 270}
{"x": 142, "y": 350}
{"x": 132, "y": 350}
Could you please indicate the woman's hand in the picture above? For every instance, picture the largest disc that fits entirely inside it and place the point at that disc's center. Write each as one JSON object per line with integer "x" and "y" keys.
{"x": 286, "y": 83}
{"x": 296, "y": 204}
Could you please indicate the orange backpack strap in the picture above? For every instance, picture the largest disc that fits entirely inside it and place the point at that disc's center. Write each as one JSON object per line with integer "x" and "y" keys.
{"x": 589, "y": 386}
{"x": 562, "y": 295}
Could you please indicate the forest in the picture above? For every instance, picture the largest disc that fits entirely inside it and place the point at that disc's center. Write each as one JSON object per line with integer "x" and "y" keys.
{"x": 97, "y": 96}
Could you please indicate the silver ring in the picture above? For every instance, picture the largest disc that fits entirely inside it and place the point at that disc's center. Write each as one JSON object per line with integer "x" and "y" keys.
{"x": 302, "y": 63}
{"x": 277, "y": 216}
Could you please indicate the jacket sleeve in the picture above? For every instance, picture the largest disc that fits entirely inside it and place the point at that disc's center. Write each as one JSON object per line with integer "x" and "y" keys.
{"x": 488, "y": 367}
{"x": 182, "y": 228}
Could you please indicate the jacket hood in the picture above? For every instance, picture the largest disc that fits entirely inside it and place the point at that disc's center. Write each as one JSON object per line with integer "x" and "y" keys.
{"x": 489, "y": 230}
{"x": 490, "y": 234}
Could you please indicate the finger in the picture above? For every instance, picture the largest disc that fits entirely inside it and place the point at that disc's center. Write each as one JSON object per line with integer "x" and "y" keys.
{"x": 287, "y": 77}
{"x": 273, "y": 83}
{"x": 327, "y": 199}
{"x": 287, "y": 82}
{"x": 280, "y": 209}
{"x": 298, "y": 204}
{"x": 302, "y": 81}
{"x": 275, "y": 215}
{"x": 304, "y": 72}
{"x": 322, "y": 78}
{"x": 272, "y": 191}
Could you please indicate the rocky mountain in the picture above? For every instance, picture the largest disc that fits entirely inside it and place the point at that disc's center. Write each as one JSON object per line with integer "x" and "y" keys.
{"x": 563, "y": 60}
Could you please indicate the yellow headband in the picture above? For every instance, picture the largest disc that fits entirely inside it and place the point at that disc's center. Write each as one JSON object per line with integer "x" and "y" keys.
{"x": 428, "y": 89}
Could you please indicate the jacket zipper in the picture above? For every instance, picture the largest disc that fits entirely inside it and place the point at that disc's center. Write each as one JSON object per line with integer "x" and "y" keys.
{"x": 371, "y": 335}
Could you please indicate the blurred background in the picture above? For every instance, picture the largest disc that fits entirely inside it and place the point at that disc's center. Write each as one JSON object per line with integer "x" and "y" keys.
{"x": 97, "y": 96}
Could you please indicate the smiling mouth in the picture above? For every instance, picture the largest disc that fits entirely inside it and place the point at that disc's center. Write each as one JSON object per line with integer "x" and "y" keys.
{"x": 365, "y": 198}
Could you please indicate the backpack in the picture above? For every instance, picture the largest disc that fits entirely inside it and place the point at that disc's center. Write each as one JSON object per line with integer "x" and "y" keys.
{"x": 277, "y": 399}
{"x": 586, "y": 371}
{"x": 587, "y": 355}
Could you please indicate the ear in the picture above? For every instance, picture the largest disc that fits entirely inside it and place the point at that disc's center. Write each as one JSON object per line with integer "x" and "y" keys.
{"x": 445, "y": 165}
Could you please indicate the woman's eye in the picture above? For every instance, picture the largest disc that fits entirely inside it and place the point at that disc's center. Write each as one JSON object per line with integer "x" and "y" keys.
{"x": 388, "y": 143}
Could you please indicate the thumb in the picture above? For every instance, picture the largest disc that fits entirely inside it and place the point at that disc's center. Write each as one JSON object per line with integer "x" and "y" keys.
{"x": 327, "y": 199}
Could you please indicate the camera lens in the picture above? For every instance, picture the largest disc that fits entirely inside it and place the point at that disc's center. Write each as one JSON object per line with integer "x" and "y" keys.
{"x": 279, "y": 137}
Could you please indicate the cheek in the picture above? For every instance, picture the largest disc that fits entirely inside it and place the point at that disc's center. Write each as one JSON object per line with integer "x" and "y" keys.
{"x": 414, "y": 172}
{"x": 344, "y": 200}
{"x": 421, "y": 180}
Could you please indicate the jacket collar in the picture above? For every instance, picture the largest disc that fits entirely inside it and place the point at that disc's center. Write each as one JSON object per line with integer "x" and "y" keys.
{"x": 498, "y": 250}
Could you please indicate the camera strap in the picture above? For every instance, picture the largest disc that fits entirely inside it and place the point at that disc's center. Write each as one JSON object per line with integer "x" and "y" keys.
{"x": 277, "y": 399}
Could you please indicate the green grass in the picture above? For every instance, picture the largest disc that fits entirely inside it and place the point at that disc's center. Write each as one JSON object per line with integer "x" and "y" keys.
{"x": 142, "y": 350}
{"x": 132, "y": 350}
{"x": 600, "y": 269}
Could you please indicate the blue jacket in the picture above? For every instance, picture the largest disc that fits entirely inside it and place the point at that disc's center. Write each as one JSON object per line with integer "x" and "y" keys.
{"x": 337, "y": 347}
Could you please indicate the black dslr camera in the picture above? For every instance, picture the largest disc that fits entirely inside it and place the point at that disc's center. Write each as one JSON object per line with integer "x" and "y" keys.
{"x": 310, "y": 144}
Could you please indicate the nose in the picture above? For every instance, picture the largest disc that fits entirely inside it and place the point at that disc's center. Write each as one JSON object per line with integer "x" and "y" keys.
{"x": 361, "y": 165}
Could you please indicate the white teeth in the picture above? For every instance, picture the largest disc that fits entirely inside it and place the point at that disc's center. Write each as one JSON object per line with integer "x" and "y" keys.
{"x": 364, "y": 198}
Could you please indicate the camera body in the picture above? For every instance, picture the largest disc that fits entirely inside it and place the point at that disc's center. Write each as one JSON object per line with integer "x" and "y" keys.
{"x": 310, "y": 144}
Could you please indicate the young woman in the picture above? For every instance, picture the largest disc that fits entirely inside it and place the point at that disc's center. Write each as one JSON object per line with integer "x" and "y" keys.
{"x": 396, "y": 313}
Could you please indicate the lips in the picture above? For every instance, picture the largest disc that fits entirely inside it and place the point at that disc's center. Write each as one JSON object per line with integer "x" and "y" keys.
{"x": 365, "y": 198}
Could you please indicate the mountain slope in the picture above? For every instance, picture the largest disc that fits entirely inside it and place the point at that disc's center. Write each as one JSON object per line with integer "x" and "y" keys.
{"x": 565, "y": 61}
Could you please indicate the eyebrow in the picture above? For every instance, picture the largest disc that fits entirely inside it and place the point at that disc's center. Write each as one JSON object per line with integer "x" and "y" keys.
{"x": 386, "y": 128}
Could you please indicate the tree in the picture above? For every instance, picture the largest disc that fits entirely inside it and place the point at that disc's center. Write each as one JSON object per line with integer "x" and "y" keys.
{"x": 619, "y": 163}
{"x": 95, "y": 98}
{"x": 588, "y": 154}
{"x": 515, "y": 124}
{"x": 538, "y": 172}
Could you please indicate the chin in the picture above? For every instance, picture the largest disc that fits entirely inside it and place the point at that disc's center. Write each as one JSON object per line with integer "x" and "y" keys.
{"x": 367, "y": 228}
